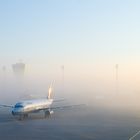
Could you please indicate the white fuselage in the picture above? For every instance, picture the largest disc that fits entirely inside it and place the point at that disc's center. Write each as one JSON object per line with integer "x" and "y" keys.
{"x": 29, "y": 106}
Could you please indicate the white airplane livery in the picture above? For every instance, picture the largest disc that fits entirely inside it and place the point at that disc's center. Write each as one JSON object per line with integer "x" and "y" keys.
{"x": 23, "y": 108}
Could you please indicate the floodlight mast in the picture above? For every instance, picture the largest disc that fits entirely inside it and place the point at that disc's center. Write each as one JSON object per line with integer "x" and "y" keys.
{"x": 117, "y": 78}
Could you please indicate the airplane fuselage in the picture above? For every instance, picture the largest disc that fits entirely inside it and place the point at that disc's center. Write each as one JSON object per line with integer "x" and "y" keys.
{"x": 31, "y": 106}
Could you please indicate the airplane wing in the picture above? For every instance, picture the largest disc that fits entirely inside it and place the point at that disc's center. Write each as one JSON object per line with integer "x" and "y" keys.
{"x": 58, "y": 100}
{"x": 68, "y": 106}
{"x": 9, "y": 106}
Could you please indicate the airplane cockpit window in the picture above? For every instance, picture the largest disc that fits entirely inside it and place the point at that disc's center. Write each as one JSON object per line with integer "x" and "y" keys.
{"x": 18, "y": 105}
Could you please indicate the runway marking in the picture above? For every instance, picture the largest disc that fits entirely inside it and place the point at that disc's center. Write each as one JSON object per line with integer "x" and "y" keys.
{"x": 132, "y": 138}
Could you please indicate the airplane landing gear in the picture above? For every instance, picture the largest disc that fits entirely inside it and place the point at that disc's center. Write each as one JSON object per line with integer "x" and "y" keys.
{"x": 23, "y": 116}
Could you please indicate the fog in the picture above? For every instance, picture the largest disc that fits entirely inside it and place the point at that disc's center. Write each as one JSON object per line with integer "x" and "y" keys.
{"x": 91, "y": 86}
{"x": 87, "y": 38}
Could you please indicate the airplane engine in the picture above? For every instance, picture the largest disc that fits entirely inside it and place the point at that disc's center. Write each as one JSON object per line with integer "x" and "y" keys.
{"x": 51, "y": 112}
{"x": 48, "y": 112}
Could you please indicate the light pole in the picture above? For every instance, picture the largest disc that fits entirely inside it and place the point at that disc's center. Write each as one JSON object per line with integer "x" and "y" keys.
{"x": 117, "y": 78}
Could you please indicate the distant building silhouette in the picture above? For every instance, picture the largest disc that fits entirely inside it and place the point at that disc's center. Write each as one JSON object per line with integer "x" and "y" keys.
{"x": 4, "y": 68}
{"x": 18, "y": 69}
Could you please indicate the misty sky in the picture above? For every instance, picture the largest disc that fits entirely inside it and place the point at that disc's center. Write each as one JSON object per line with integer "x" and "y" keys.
{"x": 88, "y": 37}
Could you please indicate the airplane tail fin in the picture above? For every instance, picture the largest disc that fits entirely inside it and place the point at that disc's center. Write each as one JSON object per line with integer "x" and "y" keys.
{"x": 50, "y": 91}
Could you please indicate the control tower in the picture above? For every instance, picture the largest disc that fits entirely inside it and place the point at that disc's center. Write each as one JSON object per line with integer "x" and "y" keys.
{"x": 18, "y": 69}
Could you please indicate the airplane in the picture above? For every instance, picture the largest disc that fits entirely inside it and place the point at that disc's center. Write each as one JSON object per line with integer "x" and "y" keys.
{"x": 23, "y": 108}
